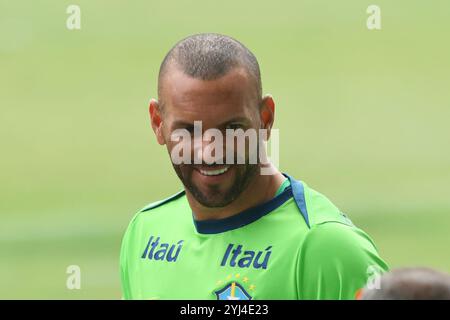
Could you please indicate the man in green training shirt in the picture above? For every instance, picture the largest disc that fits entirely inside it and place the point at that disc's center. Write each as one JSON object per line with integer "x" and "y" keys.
{"x": 234, "y": 232}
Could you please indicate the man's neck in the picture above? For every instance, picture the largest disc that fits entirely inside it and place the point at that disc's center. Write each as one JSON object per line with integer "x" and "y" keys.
{"x": 261, "y": 189}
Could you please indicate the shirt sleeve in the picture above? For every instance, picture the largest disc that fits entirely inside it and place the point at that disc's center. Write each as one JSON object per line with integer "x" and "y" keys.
{"x": 124, "y": 270}
{"x": 335, "y": 261}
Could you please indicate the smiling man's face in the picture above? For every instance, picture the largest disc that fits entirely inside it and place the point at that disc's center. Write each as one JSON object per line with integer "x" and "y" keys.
{"x": 229, "y": 102}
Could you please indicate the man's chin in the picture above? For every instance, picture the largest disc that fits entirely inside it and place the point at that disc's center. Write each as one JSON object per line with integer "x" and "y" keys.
{"x": 213, "y": 199}
{"x": 219, "y": 191}
{"x": 214, "y": 203}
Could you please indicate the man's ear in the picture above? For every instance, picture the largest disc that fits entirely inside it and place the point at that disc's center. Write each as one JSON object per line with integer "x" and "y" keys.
{"x": 156, "y": 121}
{"x": 267, "y": 113}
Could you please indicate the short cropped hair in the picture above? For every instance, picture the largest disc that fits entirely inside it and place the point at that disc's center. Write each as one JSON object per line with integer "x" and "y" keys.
{"x": 209, "y": 56}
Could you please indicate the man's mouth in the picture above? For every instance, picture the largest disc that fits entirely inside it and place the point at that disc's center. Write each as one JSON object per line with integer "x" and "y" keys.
{"x": 213, "y": 172}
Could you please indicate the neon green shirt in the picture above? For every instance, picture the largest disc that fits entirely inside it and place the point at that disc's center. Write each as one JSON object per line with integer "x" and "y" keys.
{"x": 297, "y": 245}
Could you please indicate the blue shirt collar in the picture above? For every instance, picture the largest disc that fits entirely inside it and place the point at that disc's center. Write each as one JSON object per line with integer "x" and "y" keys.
{"x": 245, "y": 217}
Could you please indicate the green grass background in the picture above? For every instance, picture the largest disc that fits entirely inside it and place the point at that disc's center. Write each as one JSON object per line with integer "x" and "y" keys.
{"x": 363, "y": 118}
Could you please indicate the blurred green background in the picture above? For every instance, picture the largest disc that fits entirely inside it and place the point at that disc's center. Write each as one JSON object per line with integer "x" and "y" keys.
{"x": 363, "y": 118}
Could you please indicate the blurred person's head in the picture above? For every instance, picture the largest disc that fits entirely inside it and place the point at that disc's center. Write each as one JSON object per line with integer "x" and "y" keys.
{"x": 410, "y": 284}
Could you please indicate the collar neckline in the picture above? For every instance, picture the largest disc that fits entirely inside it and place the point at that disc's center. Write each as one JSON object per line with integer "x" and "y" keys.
{"x": 243, "y": 218}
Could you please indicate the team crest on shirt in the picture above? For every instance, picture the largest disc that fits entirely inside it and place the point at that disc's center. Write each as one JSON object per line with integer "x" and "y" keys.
{"x": 234, "y": 290}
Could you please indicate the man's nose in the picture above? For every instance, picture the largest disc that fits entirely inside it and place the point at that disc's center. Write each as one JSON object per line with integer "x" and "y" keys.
{"x": 207, "y": 150}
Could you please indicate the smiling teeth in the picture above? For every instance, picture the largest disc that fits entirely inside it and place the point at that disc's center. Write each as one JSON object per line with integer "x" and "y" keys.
{"x": 213, "y": 172}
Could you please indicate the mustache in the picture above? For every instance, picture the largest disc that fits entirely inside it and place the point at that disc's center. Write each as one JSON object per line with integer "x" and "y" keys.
{"x": 235, "y": 160}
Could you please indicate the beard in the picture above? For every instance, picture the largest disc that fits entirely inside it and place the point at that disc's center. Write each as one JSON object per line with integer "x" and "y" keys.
{"x": 217, "y": 195}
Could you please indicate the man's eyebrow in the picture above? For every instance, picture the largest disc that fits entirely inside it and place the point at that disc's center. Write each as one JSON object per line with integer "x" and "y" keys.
{"x": 234, "y": 120}
{"x": 181, "y": 123}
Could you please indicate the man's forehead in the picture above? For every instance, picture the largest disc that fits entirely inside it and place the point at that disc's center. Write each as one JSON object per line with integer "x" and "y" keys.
{"x": 179, "y": 89}
{"x": 212, "y": 115}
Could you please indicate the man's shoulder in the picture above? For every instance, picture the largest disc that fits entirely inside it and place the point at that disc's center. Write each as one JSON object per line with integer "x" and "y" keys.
{"x": 158, "y": 216}
{"x": 159, "y": 203}
{"x": 333, "y": 234}
{"x": 164, "y": 206}
{"x": 321, "y": 209}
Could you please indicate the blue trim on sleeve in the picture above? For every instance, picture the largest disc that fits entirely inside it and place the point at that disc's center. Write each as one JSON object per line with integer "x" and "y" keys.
{"x": 298, "y": 192}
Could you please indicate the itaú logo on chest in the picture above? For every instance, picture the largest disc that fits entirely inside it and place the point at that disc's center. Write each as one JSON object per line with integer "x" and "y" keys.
{"x": 156, "y": 250}
{"x": 235, "y": 256}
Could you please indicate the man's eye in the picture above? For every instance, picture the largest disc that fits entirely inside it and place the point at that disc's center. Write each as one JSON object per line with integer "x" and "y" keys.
{"x": 189, "y": 128}
{"x": 234, "y": 126}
